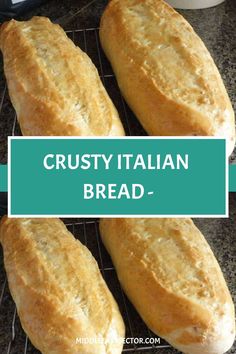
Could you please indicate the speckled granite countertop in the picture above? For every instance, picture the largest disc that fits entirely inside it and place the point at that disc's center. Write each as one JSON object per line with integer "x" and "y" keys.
{"x": 216, "y": 26}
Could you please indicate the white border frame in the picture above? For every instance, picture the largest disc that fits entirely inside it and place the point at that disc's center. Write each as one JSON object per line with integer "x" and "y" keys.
{"x": 226, "y": 215}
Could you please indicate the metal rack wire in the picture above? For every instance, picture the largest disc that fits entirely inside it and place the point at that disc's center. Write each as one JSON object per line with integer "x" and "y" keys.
{"x": 11, "y": 334}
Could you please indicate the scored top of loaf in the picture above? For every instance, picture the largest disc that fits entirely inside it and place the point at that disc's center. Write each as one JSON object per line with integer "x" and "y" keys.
{"x": 53, "y": 84}
{"x": 172, "y": 277}
{"x": 58, "y": 289}
{"x": 168, "y": 57}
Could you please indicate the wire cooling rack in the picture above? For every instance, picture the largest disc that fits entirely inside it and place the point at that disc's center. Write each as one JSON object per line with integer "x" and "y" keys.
{"x": 12, "y": 336}
{"x": 88, "y": 41}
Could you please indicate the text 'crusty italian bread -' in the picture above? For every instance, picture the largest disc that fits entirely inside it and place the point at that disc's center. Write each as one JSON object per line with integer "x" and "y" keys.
{"x": 62, "y": 300}
{"x": 164, "y": 71}
{"x": 171, "y": 276}
{"x": 54, "y": 86}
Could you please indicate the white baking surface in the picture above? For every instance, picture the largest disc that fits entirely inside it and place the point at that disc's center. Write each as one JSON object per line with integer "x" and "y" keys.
{"x": 193, "y": 4}
{"x": 17, "y": 1}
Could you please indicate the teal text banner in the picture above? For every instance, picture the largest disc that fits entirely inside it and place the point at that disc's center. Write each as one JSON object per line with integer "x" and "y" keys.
{"x": 117, "y": 177}
{"x": 3, "y": 178}
{"x": 232, "y": 178}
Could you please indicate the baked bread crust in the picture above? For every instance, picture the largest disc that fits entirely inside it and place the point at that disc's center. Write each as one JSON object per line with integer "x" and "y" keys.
{"x": 54, "y": 86}
{"x": 171, "y": 276}
{"x": 165, "y": 72}
{"x": 59, "y": 292}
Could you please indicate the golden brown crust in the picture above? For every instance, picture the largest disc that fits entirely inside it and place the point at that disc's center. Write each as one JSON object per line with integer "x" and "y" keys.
{"x": 59, "y": 292}
{"x": 170, "y": 274}
{"x": 54, "y": 87}
{"x": 164, "y": 71}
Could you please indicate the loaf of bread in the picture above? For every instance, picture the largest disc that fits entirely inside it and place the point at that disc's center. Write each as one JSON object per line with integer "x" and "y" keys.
{"x": 54, "y": 87}
{"x": 171, "y": 276}
{"x": 165, "y": 72}
{"x": 62, "y": 300}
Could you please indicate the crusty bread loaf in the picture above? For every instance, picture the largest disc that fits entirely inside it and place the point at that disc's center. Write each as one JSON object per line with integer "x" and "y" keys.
{"x": 170, "y": 274}
{"x": 164, "y": 71}
{"x": 54, "y": 87}
{"x": 60, "y": 295}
